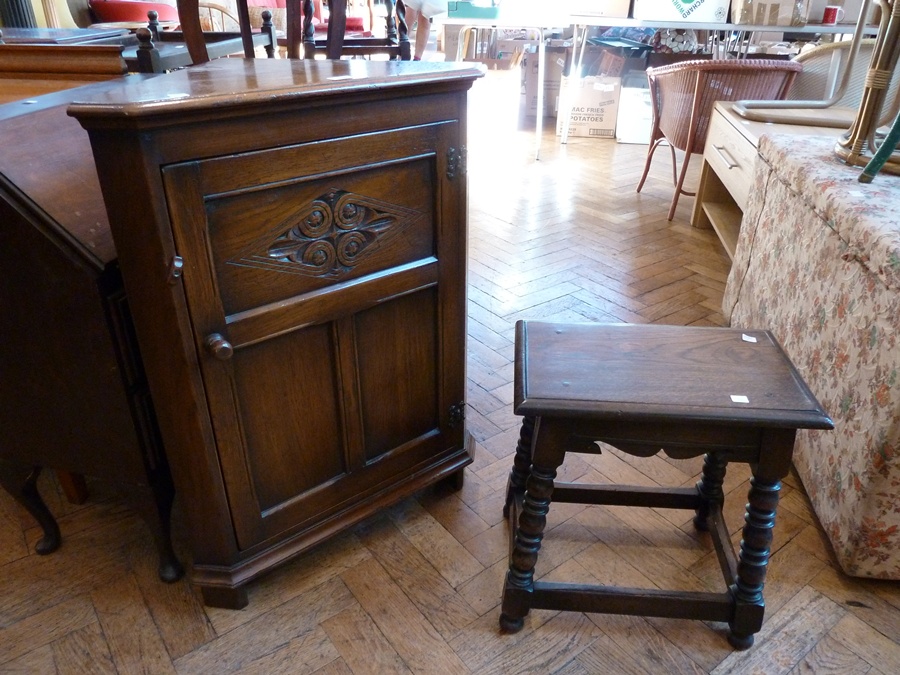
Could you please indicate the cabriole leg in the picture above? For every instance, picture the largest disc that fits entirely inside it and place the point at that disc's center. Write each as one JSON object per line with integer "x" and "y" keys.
{"x": 26, "y": 493}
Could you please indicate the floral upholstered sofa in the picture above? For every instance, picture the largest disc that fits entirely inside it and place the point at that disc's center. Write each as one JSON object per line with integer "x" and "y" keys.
{"x": 818, "y": 262}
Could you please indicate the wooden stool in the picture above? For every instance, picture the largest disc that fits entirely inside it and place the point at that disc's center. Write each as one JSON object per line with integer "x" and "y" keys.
{"x": 731, "y": 395}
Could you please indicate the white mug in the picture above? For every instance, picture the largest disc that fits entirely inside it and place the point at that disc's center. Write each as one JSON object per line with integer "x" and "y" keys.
{"x": 833, "y": 14}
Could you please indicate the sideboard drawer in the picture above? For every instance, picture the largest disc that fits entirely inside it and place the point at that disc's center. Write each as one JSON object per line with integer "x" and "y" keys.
{"x": 732, "y": 157}
{"x": 729, "y": 165}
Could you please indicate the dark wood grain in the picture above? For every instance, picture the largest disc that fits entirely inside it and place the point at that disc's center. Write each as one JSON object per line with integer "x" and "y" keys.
{"x": 75, "y": 396}
{"x": 562, "y": 239}
{"x": 307, "y": 366}
{"x": 663, "y": 370}
{"x": 645, "y": 390}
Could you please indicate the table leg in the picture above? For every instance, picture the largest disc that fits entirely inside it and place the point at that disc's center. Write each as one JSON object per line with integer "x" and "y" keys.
{"x": 26, "y": 493}
{"x": 521, "y": 464}
{"x": 565, "y": 102}
{"x": 155, "y": 506}
{"x": 754, "y": 558}
{"x": 539, "y": 113}
{"x": 529, "y": 533}
{"x": 710, "y": 488}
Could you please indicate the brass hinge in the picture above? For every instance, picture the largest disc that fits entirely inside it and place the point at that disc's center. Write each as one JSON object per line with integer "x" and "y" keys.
{"x": 457, "y": 414}
{"x": 456, "y": 162}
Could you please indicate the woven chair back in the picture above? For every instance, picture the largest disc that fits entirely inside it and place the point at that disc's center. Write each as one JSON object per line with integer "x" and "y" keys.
{"x": 823, "y": 67}
{"x": 684, "y": 93}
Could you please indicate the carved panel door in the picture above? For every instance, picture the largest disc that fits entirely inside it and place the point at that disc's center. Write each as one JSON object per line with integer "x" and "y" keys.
{"x": 326, "y": 288}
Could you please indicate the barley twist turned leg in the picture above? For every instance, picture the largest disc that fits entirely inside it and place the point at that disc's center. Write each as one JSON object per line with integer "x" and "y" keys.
{"x": 710, "y": 488}
{"x": 528, "y": 536}
{"x": 754, "y": 558}
{"x": 521, "y": 464}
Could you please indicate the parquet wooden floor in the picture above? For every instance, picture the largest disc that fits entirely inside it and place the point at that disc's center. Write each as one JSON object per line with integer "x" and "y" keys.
{"x": 417, "y": 588}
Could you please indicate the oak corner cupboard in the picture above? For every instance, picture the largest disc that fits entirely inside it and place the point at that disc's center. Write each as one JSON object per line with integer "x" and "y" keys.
{"x": 292, "y": 239}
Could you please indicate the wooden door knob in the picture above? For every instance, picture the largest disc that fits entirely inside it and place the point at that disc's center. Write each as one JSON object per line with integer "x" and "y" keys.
{"x": 219, "y": 347}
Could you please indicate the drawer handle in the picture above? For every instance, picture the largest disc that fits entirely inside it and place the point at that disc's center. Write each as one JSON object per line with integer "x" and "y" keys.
{"x": 726, "y": 157}
{"x": 219, "y": 347}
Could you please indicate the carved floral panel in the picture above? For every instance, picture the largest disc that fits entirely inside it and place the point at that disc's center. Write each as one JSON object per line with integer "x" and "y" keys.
{"x": 329, "y": 236}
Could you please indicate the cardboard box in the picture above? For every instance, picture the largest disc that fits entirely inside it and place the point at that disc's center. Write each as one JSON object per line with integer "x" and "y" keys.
{"x": 594, "y": 106}
{"x": 617, "y": 9}
{"x": 665, "y": 11}
{"x": 769, "y": 13}
{"x": 634, "y": 120}
{"x": 553, "y": 72}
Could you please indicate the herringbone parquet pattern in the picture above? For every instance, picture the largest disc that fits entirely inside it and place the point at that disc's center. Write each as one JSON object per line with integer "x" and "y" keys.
{"x": 417, "y": 589}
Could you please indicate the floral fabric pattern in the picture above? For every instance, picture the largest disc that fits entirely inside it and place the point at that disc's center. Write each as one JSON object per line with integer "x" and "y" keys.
{"x": 818, "y": 263}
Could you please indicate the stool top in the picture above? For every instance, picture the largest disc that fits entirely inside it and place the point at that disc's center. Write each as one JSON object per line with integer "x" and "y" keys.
{"x": 626, "y": 371}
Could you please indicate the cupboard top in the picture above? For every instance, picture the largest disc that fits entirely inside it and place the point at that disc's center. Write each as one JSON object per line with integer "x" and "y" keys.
{"x": 230, "y": 85}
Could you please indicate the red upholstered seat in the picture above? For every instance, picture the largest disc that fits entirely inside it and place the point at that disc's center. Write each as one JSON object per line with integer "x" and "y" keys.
{"x": 355, "y": 24}
{"x": 116, "y": 11}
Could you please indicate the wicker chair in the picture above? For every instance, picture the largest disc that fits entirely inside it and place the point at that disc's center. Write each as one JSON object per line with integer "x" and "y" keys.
{"x": 683, "y": 94}
{"x": 823, "y": 67}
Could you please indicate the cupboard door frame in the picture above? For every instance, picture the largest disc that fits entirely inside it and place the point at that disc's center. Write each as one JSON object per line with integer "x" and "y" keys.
{"x": 198, "y": 181}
